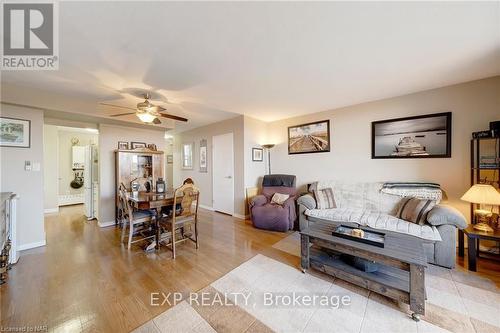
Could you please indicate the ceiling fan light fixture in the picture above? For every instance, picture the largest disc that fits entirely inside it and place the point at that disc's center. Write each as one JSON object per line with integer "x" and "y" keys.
{"x": 146, "y": 117}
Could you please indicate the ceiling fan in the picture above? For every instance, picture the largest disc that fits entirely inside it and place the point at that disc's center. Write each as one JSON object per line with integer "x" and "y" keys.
{"x": 146, "y": 111}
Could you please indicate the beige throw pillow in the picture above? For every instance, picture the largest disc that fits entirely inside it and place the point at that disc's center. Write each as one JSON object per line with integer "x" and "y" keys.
{"x": 415, "y": 210}
{"x": 325, "y": 199}
{"x": 279, "y": 198}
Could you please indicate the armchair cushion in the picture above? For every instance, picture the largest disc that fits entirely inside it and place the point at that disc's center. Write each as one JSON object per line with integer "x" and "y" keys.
{"x": 271, "y": 217}
{"x": 444, "y": 214}
{"x": 258, "y": 200}
{"x": 279, "y": 198}
{"x": 308, "y": 201}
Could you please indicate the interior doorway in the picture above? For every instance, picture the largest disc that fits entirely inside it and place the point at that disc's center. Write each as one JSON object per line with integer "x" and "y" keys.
{"x": 223, "y": 173}
{"x": 71, "y": 169}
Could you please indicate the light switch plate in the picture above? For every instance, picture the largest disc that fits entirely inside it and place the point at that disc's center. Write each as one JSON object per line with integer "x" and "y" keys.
{"x": 27, "y": 165}
{"x": 36, "y": 166}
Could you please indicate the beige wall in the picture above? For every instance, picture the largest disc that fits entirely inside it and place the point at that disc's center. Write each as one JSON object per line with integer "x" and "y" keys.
{"x": 169, "y": 168}
{"x": 109, "y": 135}
{"x": 66, "y": 174}
{"x": 255, "y": 137}
{"x": 204, "y": 180}
{"x": 473, "y": 104}
{"x": 51, "y": 168}
{"x": 27, "y": 184}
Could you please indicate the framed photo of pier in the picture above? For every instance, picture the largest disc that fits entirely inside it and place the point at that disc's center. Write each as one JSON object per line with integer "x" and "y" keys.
{"x": 15, "y": 132}
{"x": 423, "y": 136}
{"x": 309, "y": 138}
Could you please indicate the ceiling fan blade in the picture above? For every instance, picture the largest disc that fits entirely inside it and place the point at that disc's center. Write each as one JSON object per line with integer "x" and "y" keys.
{"x": 118, "y": 106}
{"x": 156, "y": 108}
{"x": 156, "y": 121}
{"x": 173, "y": 117}
{"x": 122, "y": 114}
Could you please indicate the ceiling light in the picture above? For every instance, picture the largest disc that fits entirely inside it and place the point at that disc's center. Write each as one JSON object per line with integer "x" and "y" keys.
{"x": 146, "y": 117}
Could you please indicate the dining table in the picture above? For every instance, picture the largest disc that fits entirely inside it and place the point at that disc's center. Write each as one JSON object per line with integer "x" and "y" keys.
{"x": 152, "y": 201}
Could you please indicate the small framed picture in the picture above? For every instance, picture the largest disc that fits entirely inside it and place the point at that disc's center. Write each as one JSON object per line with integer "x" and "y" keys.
{"x": 15, "y": 132}
{"x": 203, "y": 156}
{"x": 152, "y": 146}
{"x": 135, "y": 145}
{"x": 122, "y": 145}
{"x": 257, "y": 154}
{"x": 170, "y": 159}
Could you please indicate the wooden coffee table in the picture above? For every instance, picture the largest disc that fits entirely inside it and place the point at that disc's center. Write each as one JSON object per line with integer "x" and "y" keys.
{"x": 402, "y": 262}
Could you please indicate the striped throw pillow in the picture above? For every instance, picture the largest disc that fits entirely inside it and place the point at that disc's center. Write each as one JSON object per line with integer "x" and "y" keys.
{"x": 324, "y": 198}
{"x": 415, "y": 210}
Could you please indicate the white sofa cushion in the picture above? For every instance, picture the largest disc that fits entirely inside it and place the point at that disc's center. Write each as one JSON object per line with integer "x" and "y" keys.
{"x": 376, "y": 220}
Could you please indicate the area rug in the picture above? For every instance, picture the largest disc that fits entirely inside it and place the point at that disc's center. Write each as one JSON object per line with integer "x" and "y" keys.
{"x": 452, "y": 306}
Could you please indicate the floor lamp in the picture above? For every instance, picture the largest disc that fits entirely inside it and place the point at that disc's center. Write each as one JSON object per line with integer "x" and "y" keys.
{"x": 268, "y": 148}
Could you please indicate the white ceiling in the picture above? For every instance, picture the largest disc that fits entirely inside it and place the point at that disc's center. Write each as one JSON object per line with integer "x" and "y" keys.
{"x": 213, "y": 60}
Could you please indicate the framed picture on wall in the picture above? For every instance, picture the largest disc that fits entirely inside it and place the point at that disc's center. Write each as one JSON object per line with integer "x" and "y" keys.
{"x": 203, "y": 156}
{"x": 122, "y": 145}
{"x": 309, "y": 138}
{"x": 257, "y": 154}
{"x": 423, "y": 136}
{"x": 187, "y": 156}
{"x": 15, "y": 132}
{"x": 135, "y": 145}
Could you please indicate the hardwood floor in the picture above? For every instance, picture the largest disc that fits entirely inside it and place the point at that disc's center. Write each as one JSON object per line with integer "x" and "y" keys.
{"x": 84, "y": 280}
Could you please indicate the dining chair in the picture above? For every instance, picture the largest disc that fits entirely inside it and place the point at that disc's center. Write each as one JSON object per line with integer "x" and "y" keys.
{"x": 182, "y": 224}
{"x": 138, "y": 221}
{"x": 120, "y": 207}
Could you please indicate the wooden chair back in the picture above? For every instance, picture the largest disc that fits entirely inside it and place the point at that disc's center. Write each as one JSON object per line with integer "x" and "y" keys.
{"x": 125, "y": 206}
{"x": 188, "y": 197}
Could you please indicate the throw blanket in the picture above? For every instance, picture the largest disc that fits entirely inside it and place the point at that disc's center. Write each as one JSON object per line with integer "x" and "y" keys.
{"x": 427, "y": 191}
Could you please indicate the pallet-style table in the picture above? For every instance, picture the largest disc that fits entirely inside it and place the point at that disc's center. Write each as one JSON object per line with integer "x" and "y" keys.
{"x": 402, "y": 262}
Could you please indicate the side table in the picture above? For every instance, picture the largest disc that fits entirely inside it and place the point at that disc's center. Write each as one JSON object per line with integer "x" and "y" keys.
{"x": 473, "y": 237}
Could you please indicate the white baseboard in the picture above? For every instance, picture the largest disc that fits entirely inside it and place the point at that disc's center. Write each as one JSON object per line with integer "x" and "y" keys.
{"x": 243, "y": 217}
{"x": 71, "y": 199}
{"x": 206, "y": 207}
{"x": 51, "y": 210}
{"x": 106, "y": 224}
{"x": 31, "y": 245}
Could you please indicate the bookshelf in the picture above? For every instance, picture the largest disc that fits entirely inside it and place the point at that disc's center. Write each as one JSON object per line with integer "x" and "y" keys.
{"x": 485, "y": 168}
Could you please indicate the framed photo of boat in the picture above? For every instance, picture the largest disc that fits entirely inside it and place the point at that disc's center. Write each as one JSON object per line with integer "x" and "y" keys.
{"x": 15, "y": 132}
{"x": 309, "y": 138}
{"x": 423, "y": 136}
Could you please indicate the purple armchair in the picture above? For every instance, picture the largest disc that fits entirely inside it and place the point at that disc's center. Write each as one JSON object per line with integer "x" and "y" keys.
{"x": 270, "y": 216}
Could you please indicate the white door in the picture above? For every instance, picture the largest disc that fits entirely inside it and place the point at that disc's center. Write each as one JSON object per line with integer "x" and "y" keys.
{"x": 223, "y": 173}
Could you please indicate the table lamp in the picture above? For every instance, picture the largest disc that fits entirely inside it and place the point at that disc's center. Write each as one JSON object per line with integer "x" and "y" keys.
{"x": 482, "y": 194}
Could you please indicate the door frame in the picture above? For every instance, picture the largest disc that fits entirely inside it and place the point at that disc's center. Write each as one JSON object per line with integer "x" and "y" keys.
{"x": 213, "y": 172}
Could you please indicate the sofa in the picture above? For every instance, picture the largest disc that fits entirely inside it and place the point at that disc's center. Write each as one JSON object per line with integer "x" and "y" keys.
{"x": 270, "y": 216}
{"x": 363, "y": 204}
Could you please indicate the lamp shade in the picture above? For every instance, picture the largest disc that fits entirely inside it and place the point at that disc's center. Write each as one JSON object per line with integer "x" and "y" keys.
{"x": 482, "y": 194}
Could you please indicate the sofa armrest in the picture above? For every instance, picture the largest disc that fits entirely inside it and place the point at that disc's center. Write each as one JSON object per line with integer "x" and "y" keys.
{"x": 307, "y": 201}
{"x": 258, "y": 200}
{"x": 444, "y": 214}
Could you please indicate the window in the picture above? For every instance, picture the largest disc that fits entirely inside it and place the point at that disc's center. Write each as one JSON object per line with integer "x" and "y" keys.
{"x": 187, "y": 155}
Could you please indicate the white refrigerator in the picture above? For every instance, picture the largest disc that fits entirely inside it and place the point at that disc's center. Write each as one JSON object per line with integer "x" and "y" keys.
{"x": 90, "y": 182}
